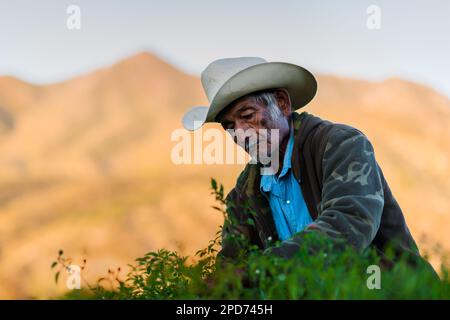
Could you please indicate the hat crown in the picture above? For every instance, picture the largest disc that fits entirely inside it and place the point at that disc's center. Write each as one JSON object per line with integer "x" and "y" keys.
{"x": 219, "y": 71}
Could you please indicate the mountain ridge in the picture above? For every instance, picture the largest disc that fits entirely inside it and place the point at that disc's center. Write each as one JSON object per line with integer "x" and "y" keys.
{"x": 85, "y": 165}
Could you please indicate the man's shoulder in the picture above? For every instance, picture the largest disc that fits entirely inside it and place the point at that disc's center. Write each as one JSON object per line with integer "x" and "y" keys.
{"x": 323, "y": 130}
{"x": 330, "y": 125}
{"x": 317, "y": 132}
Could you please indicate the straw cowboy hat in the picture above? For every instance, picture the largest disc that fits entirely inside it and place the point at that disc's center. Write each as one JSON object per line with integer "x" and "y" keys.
{"x": 225, "y": 80}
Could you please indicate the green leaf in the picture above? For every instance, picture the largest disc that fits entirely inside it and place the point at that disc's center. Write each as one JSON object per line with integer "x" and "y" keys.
{"x": 213, "y": 183}
{"x": 57, "y": 276}
{"x": 250, "y": 222}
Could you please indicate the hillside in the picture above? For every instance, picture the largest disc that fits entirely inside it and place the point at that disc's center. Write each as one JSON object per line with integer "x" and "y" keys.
{"x": 85, "y": 165}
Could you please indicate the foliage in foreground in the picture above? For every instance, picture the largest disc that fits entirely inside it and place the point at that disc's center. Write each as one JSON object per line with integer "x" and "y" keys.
{"x": 325, "y": 275}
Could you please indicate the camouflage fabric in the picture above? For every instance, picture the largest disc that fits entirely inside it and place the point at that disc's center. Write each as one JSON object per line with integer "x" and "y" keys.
{"x": 344, "y": 189}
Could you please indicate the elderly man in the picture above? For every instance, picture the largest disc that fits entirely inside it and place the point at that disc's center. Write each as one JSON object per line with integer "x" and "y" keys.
{"x": 327, "y": 182}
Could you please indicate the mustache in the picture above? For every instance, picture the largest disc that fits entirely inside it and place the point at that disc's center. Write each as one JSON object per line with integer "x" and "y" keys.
{"x": 252, "y": 146}
{"x": 250, "y": 141}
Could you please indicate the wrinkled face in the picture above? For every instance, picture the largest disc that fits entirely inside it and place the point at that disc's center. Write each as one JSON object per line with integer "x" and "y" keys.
{"x": 247, "y": 118}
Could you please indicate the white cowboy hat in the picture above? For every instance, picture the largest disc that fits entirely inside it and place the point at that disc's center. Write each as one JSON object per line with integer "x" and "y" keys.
{"x": 225, "y": 80}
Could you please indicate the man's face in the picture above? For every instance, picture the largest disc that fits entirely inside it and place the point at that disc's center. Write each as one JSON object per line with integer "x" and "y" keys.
{"x": 247, "y": 118}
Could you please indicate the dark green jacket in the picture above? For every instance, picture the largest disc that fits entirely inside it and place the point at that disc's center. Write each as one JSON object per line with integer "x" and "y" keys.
{"x": 343, "y": 187}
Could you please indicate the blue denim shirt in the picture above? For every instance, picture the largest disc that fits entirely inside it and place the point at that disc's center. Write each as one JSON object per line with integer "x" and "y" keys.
{"x": 285, "y": 196}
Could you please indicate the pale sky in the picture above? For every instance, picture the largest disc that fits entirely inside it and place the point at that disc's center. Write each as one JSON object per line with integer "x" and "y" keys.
{"x": 327, "y": 36}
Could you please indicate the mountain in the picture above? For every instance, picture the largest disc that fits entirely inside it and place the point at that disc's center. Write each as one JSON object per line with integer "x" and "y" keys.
{"x": 85, "y": 165}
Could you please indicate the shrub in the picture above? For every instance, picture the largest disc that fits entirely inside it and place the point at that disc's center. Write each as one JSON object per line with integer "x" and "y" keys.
{"x": 328, "y": 274}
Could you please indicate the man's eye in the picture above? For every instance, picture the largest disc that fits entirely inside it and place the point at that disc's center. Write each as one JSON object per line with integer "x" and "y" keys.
{"x": 247, "y": 116}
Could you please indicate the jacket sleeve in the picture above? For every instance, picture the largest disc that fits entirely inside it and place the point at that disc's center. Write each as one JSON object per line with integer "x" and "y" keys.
{"x": 352, "y": 193}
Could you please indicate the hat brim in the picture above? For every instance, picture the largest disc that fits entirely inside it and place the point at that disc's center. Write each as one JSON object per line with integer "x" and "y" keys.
{"x": 299, "y": 82}
{"x": 194, "y": 118}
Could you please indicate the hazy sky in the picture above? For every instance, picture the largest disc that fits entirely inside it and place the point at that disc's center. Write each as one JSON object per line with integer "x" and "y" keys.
{"x": 324, "y": 36}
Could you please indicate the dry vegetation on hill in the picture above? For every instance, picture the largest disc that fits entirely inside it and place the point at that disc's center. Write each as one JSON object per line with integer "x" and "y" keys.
{"x": 85, "y": 165}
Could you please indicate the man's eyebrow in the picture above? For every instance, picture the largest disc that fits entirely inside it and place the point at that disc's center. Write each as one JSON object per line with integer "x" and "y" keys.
{"x": 246, "y": 107}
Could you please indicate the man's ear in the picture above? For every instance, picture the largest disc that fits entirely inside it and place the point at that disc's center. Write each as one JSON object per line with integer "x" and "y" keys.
{"x": 284, "y": 101}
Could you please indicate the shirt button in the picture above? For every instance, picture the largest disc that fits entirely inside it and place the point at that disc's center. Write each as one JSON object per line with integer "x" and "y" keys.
{"x": 288, "y": 201}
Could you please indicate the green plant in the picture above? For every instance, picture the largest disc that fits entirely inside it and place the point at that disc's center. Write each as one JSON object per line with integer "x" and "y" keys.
{"x": 327, "y": 274}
